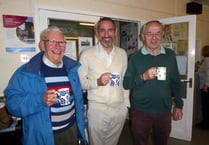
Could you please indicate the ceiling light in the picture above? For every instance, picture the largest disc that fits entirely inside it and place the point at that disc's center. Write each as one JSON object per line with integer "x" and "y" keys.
{"x": 87, "y": 24}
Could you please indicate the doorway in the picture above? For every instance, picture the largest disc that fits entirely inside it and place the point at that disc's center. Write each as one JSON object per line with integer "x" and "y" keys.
{"x": 83, "y": 33}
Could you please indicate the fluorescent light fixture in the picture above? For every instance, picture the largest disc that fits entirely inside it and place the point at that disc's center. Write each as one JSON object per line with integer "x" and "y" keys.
{"x": 87, "y": 24}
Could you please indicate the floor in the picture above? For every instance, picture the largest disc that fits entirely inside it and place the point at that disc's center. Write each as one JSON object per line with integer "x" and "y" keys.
{"x": 199, "y": 137}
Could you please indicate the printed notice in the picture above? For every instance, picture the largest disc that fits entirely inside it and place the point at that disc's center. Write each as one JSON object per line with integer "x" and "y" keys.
{"x": 19, "y": 33}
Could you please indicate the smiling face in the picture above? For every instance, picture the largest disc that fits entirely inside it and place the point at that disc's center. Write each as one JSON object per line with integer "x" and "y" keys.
{"x": 152, "y": 36}
{"x": 54, "y": 46}
{"x": 106, "y": 32}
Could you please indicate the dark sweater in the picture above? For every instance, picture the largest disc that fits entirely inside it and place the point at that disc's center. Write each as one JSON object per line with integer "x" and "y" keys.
{"x": 153, "y": 96}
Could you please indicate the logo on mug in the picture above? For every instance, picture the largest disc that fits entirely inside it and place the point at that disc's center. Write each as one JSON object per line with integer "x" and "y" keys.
{"x": 64, "y": 96}
{"x": 161, "y": 73}
{"x": 115, "y": 80}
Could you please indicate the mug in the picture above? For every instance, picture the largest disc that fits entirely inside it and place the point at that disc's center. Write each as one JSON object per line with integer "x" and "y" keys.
{"x": 161, "y": 73}
{"x": 63, "y": 96}
{"x": 115, "y": 80}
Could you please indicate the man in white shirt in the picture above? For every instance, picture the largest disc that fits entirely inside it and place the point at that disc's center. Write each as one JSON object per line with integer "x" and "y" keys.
{"x": 107, "y": 101}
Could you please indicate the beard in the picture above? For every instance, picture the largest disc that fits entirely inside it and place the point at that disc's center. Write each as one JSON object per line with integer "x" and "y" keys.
{"x": 107, "y": 42}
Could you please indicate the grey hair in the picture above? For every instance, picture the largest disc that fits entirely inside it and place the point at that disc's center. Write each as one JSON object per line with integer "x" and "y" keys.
{"x": 49, "y": 29}
{"x": 143, "y": 29}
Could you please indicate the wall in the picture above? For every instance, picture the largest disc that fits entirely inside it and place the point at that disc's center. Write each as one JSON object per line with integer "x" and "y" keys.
{"x": 126, "y": 9}
{"x": 9, "y": 62}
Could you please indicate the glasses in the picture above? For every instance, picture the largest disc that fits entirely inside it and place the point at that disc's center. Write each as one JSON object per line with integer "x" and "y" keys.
{"x": 149, "y": 34}
{"x": 55, "y": 43}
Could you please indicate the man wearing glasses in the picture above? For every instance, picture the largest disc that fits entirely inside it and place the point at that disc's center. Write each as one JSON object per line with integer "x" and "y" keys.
{"x": 46, "y": 93}
{"x": 152, "y": 75}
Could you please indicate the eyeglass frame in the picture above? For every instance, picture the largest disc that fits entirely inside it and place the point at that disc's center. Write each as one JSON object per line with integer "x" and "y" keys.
{"x": 53, "y": 42}
{"x": 150, "y": 34}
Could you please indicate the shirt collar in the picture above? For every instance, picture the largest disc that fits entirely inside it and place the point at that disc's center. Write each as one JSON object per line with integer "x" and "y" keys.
{"x": 50, "y": 64}
{"x": 145, "y": 52}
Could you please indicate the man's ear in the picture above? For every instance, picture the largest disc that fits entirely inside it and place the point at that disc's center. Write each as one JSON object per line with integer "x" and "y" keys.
{"x": 41, "y": 46}
{"x": 141, "y": 36}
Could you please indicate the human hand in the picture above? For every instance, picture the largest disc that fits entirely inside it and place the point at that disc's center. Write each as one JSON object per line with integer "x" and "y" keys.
{"x": 150, "y": 74}
{"x": 104, "y": 79}
{"x": 177, "y": 114}
{"x": 50, "y": 97}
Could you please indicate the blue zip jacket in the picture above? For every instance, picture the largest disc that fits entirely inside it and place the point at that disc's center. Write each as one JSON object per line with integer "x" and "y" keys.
{"x": 25, "y": 99}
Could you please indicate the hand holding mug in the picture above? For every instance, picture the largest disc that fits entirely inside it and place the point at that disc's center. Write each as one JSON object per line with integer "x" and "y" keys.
{"x": 150, "y": 74}
{"x": 104, "y": 79}
{"x": 50, "y": 97}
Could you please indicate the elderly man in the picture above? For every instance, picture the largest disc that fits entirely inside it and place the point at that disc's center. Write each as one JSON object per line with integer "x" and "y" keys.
{"x": 47, "y": 94}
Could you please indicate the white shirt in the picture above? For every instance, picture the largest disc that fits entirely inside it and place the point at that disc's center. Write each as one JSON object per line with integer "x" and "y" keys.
{"x": 50, "y": 64}
{"x": 105, "y": 56}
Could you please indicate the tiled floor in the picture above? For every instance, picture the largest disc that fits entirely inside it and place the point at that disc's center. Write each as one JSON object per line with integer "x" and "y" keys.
{"x": 199, "y": 137}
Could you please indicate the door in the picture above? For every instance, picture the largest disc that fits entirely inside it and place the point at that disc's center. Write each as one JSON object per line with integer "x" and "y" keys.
{"x": 180, "y": 34}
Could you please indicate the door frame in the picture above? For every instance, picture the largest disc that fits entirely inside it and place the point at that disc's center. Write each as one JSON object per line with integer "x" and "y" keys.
{"x": 45, "y": 12}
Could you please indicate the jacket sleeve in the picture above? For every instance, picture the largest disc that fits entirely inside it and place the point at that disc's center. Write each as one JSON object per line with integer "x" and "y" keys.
{"x": 23, "y": 94}
{"x": 126, "y": 92}
{"x": 132, "y": 78}
{"x": 80, "y": 109}
{"x": 87, "y": 83}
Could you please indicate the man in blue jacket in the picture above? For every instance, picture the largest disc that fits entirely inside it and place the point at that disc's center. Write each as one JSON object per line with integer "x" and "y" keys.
{"x": 46, "y": 93}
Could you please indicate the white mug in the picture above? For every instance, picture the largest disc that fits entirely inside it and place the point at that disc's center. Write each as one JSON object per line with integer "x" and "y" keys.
{"x": 161, "y": 73}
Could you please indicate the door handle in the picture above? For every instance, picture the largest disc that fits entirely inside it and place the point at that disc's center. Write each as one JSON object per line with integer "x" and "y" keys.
{"x": 188, "y": 81}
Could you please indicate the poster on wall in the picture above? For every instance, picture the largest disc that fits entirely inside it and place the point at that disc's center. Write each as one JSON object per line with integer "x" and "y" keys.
{"x": 129, "y": 37}
{"x": 71, "y": 49}
{"x": 19, "y": 32}
{"x": 84, "y": 42}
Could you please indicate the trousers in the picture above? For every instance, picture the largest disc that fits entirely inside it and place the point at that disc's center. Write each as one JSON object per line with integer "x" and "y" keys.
{"x": 105, "y": 123}
{"x": 144, "y": 124}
